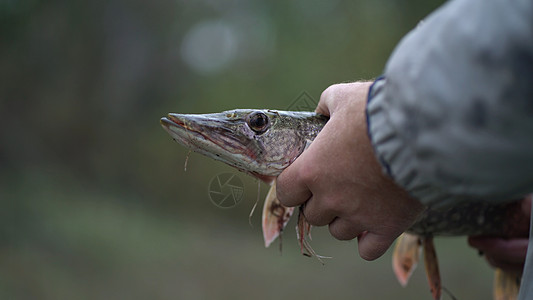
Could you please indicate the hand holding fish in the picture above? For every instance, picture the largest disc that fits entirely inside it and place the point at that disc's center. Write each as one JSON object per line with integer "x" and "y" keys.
{"x": 338, "y": 181}
{"x": 341, "y": 182}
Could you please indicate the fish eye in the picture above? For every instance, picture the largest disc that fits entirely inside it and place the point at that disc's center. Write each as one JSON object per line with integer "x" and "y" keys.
{"x": 258, "y": 122}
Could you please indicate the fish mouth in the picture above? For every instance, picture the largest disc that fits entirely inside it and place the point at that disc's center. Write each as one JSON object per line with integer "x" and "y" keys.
{"x": 178, "y": 130}
{"x": 213, "y": 138}
{"x": 210, "y": 136}
{"x": 186, "y": 130}
{"x": 171, "y": 120}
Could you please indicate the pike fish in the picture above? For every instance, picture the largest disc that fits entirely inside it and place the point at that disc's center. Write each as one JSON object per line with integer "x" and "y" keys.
{"x": 263, "y": 142}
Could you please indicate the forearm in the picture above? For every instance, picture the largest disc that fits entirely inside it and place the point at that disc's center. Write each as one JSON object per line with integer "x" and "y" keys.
{"x": 453, "y": 117}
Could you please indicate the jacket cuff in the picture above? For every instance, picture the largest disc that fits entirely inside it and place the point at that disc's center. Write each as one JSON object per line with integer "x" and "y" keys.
{"x": 393, "y": 151}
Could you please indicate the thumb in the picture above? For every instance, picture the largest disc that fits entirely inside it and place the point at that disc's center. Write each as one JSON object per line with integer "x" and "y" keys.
{"x": 372, "y": 246}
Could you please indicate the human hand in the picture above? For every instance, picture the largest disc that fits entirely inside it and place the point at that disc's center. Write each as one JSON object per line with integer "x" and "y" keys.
{"x": 508, "y": 254}
{"x": 341, "y": 182}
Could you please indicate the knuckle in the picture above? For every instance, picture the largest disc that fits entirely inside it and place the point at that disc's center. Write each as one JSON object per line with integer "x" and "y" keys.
{"x": 329, "y": 92}
{"x": 314, "y": 216}
{"x": 341, "y": 232}
{"x": 309, "y": 173}
{"x": 333, "y": 204}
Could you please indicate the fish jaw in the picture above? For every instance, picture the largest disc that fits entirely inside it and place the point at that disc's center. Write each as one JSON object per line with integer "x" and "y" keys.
{"x": 210, "y": 135}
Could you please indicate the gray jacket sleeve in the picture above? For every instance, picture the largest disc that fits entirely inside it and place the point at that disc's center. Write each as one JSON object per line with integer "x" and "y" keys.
{"x": 452, "y": 118}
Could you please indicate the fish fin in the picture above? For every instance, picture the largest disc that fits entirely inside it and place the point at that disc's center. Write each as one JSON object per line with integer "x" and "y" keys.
{"x": 303, "y": 233}
{"x": 432, "y": 267}
{"x": 406, "y": 256}
{"x": 506, "y": 285}
{"x": 275, "y": 216}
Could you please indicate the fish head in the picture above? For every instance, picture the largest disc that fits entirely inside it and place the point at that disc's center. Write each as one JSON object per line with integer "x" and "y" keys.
{"x": 259, "y": 142}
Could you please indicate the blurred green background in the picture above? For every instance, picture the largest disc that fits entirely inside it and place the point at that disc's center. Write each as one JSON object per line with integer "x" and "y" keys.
{"x": 95, "y": 201}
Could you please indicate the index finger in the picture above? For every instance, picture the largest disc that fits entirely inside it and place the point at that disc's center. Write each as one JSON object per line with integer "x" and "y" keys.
{"x": 291, "y": 189}
{"x": 333, "y": 97}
